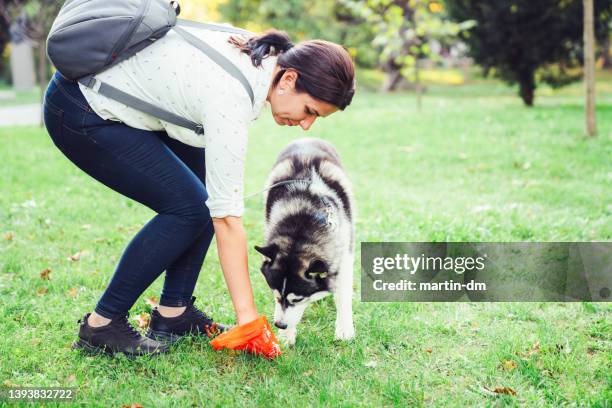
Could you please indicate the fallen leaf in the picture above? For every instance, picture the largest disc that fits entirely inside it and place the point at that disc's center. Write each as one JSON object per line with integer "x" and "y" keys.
{"x": 44, "y": 274}
{"x": 9, "y": 384}
{"x": 134, "y": 405}
{"x": 75, "y": 257}
{"x": 371, "y": 364}
{"x": 504, "y": 390}
{"x": 407, "y": 149}
{"x": 72, "y": 292}
{"x": 142, "y": 320}
{"x": 212, "y": 331}
{"x": 9, "y": 236}
{"x": 42, "y": 291}
{"x": 509, "y": 365}
{"x": 307, "y": 373}
{"x": 86, "y": 226}
{"x": 71, "y": 378}
{"x": 535, "y": 349}
{"x": 428, "y": 350}
{"x": 591, "y": 351}
{"x": 462, "y": 156}
{"x": 152, "y": 301}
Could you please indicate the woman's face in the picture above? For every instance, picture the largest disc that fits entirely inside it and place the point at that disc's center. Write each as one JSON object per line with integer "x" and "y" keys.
{"x": 292, "y": 108}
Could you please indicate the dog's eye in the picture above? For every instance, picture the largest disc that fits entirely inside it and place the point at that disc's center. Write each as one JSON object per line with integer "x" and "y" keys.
{"x": 297, "y": 299}
{"x": 317, "y": 266}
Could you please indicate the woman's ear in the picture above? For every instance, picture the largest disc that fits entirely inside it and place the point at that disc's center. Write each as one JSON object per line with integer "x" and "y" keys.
{"x": 288, "y": 80}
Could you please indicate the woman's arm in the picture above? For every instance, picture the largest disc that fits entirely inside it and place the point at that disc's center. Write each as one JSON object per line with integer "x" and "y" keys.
{"x": 232, "y": 248}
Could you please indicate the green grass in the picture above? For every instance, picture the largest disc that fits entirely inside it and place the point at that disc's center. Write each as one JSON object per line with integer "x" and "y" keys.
{"x": 474, "y": 165}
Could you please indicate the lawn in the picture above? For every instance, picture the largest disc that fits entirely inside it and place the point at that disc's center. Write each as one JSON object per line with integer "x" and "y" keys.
{"x": 473, "y": 165}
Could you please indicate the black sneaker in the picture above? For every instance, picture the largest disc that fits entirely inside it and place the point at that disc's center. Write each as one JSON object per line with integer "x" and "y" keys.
{"x": 191, "y": 321}
{"x": 118, "y": 336}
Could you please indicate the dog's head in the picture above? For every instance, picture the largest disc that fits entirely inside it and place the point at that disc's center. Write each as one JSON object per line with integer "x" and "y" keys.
{"x": 297, "y": 277}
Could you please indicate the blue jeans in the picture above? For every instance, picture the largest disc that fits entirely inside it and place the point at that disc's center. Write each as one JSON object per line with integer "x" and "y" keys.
{"x": 149, "y": 167}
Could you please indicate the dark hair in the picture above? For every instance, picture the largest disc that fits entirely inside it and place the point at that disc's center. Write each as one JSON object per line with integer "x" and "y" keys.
{"x": 325, "y": 69}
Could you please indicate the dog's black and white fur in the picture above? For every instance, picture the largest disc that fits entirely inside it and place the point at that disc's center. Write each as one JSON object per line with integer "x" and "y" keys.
{"x": 309, "y": 235}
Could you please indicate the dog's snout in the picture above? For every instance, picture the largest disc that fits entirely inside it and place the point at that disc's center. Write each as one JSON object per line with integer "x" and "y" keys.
{"x": 280, "y": 325}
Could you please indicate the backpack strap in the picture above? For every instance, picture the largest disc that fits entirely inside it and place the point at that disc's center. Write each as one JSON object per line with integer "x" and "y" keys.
{"x": 138, "y": 104}
{"x": 146, "y": 107}
{"x": 217, "y": 57}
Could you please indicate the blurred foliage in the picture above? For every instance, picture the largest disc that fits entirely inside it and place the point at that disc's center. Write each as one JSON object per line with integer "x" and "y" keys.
{"x": 201, "y": 10}
{"x": 38, "y": 16}
{"x": 403, "y": 31}
{"x": 523, "y": 41}
{"x": 323, "y": 19}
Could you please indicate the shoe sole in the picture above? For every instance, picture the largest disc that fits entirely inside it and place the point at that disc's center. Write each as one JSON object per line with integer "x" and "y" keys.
{"x": 95, "y": 350}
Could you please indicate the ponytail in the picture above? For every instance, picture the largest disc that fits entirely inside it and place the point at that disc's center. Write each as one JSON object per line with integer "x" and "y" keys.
{"x": 325, "y": 69}
{"x": 272, "y": 42}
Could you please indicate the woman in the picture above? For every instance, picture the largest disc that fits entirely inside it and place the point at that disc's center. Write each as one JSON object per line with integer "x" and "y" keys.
{"x": 193, "y": 182}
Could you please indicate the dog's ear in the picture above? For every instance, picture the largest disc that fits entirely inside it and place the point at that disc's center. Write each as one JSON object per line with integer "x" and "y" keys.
{"x": 269, "y": 251}
{"x": 317, "y": 269}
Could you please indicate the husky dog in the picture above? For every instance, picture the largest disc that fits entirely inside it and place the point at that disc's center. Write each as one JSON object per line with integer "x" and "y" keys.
{"x": 309, "y": 235}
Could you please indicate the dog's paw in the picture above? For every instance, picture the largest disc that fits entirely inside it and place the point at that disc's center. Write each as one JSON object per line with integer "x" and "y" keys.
{"x": 345, "y": 332}
{"x": 287, "y": 336}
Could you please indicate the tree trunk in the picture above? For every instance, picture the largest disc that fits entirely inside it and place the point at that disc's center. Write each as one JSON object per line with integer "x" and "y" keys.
{"x": 392, "y": 81}
{"x": 42, "y": 74}
{"x": 605, "y": 53}
{"x": 417, "y": 83}
{"x": 589, "y": 68}
{"x": 527, "y": 87}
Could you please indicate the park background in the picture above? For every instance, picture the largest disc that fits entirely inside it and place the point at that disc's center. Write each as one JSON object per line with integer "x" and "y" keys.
{"x": 471, "y": 123}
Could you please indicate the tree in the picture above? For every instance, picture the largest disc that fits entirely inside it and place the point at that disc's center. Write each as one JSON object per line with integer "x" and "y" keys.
{"x": 589, "y": 67}
{"x": 325, "y": 19}
{"x": 39, "y": 16}
{"x": 5, "y": 24}
{"x": 517, "y": 39}
{"x": 403, "y": 30}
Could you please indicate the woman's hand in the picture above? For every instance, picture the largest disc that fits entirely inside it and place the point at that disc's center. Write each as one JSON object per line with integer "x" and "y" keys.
{"x": 232, "y": 248}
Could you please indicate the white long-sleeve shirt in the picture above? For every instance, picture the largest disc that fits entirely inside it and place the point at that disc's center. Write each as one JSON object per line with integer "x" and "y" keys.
{"x": 178, "y": 77}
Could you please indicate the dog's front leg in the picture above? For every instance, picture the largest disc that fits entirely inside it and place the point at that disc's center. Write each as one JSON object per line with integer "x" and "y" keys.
{"x": 343, "y": 297}
{"x": 290, "y": 317}
{"x": 287, "y": 336}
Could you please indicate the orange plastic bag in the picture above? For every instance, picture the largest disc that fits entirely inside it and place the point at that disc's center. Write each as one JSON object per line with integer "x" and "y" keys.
{"x": 255, "y": 337}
